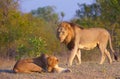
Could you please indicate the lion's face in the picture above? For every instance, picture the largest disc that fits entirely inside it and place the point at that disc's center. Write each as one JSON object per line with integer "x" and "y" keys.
{"x": 52, "y": 63}
{"x": 62, "y": 32}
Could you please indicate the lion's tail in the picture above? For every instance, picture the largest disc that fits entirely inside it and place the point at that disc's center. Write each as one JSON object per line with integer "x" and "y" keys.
{"x": 115, "y": 54}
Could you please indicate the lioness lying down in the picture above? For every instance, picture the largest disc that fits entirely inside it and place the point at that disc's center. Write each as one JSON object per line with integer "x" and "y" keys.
{"x": 44, "y": 63}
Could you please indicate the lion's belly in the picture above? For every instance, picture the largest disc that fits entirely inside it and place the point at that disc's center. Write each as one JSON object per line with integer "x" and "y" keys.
{"x": 88, "y": 46}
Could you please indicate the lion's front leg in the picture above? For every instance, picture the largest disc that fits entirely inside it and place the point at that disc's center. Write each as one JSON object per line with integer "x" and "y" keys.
{"x": 78, "y": 55}
{"x": 61, "y": 70}
{"x": 72, "y": 56}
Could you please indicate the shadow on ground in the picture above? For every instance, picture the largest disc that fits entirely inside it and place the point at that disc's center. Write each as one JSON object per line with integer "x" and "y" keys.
{"x": 6, "y": 71}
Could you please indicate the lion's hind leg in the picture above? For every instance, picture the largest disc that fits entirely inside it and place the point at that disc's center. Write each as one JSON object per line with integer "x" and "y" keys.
{"x": 35, "y": 68}
{"x": 102, "y": 58}
{"x": 108, "y": 55}
{"x": 17, "y": 70}
{"x": 103, "y": 55}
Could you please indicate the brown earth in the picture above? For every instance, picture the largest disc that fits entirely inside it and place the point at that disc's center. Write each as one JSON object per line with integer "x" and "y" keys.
{"x": 87, "y": 70}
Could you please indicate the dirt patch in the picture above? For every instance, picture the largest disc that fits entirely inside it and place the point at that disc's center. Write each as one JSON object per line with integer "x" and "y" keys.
{"x": 87, "y": 70}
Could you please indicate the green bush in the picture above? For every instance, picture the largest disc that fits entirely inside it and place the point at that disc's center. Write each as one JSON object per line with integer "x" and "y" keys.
{"x": 33, "y": 47}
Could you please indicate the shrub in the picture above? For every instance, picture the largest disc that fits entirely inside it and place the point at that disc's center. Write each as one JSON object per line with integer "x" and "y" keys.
{"x": 33, "y": 47}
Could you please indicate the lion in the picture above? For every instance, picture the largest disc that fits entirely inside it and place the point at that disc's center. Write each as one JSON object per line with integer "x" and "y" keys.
{"x": 44, "y": 63}
{"x": 77, "y": 38}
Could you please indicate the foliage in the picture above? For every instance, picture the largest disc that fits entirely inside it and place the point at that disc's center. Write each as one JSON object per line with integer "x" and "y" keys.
{"x": 34, "y": 47}
{"x": 88, "y": 11}
{"x": 47, "y": 13}
{"x": 24, "y": 35}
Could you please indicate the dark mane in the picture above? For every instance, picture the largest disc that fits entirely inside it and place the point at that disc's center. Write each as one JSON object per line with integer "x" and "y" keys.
{"x": 71, "y": 44}
{"x": 73, "y": 25}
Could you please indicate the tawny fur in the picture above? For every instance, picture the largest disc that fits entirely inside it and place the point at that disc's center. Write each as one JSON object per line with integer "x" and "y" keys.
{"x": 77, "y": 38}
{"x": 44, "y": 63}
{"x": 38, "y": 64}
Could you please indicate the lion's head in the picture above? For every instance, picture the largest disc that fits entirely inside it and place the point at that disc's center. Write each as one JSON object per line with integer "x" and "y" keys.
{"x": 65, "y": 32}
{"x": 52, "y": 61}
{"x": 53, "y": 65}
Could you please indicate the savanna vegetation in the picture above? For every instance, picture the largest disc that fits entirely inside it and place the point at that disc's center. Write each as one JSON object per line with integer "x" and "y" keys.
{"x": 29, "y": 34}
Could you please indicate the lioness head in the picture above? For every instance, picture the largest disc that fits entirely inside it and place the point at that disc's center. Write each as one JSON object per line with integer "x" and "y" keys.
{"x": 53, "y": 65}
{"x": 65, "y": 32}
{"x": 52, "y": 62}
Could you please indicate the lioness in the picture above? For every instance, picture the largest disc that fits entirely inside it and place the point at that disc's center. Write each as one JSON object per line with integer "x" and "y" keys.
{"x": 39, "y": 64}
{"x": 77, "y": 38}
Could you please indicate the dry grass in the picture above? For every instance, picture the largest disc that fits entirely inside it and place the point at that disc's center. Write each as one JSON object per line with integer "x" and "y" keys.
{"x": 87, "y": 70}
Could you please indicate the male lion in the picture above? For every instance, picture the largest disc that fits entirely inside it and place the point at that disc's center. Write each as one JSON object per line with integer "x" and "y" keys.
{"x": 39, "y": 64}
{"x": 77, "y": 38}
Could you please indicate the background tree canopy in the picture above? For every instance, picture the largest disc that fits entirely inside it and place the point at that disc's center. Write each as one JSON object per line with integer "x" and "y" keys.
{"x": 29, "y": 34}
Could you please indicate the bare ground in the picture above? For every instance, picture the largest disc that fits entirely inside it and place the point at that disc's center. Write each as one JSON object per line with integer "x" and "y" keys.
{"x": 87, "y": 70}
